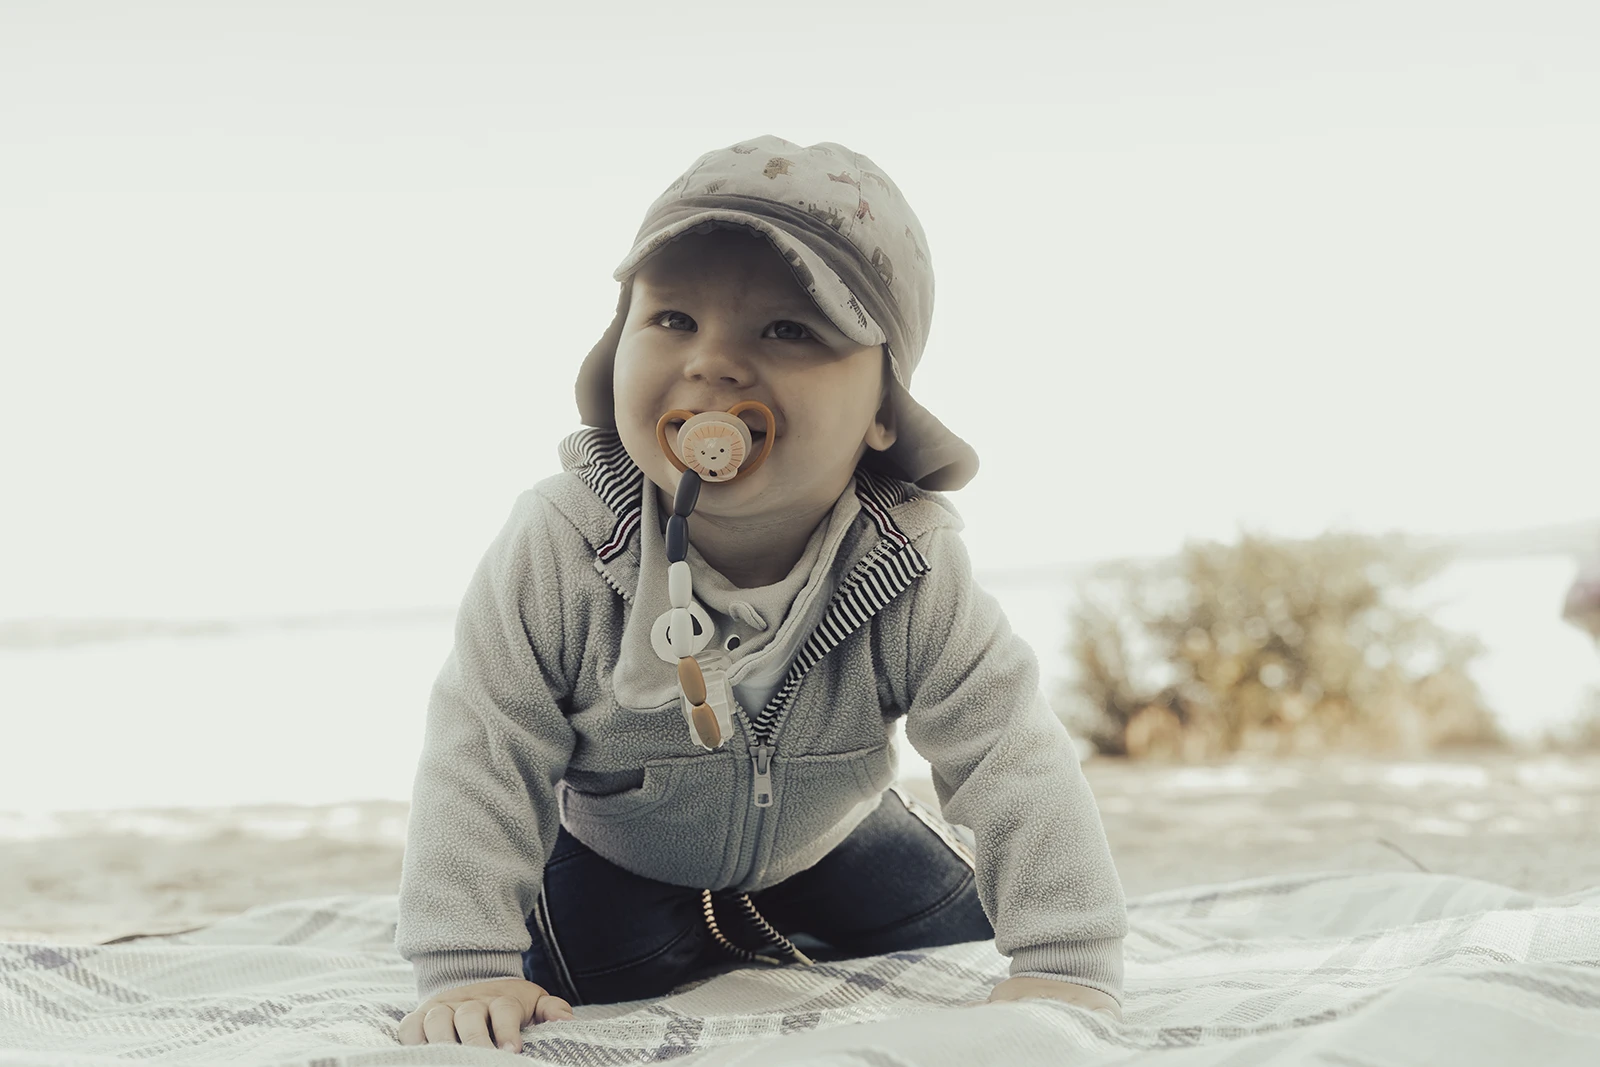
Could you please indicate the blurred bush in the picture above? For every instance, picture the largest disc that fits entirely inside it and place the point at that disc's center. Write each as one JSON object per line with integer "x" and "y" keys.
{"x": 1273, "y": 646}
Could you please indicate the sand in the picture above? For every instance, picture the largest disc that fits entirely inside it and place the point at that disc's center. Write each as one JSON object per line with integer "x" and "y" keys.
{"x": 1532, "y": 822}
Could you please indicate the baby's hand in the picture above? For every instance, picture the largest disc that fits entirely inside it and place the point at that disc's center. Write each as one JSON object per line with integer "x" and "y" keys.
{"x": 463, "y": 1014}
{"x": 1020, "y": 986}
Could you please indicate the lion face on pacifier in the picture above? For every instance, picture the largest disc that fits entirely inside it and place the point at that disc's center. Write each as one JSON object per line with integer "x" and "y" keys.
{"x": 716, "y": 445}
{"x": 713, "y": 447}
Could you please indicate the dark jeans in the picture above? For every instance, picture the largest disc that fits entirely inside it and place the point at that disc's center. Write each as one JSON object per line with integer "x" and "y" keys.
{"x": 602, "y": 934}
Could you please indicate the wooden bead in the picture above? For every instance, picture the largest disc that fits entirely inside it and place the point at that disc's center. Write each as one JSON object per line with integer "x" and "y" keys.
{"x": 705, "y": 724}
{"x": 692, "y": 680}
{"x": 680, "y": 584}
{"x": 680, "y": 631}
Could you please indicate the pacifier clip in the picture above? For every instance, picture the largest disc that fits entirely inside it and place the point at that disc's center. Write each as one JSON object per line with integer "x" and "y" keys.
{"x": 713, "y": 446}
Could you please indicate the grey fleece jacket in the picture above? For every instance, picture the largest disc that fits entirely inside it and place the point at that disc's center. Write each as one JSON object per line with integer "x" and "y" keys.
{"x": 525, "y": 732}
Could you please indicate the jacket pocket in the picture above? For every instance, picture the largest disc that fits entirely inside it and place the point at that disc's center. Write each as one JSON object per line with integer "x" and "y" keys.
{"x": 656, "y": 787}
{"x": 674, "y": 828}
{"x": 876, "y": 768}
{"x": 814, "y": 796}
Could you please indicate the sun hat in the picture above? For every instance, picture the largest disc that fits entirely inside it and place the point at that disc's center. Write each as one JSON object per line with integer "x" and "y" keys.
{"x": 853, "y": 244}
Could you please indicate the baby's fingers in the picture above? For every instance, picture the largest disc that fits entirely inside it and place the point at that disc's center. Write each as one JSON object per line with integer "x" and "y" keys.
{"x": 411, "y": 1028}
{"x": 506, "y": 1014}
{"x": 551, "y": 1008}
{"x": 440, "y": 1025}
{"x": 472, "y": 1024}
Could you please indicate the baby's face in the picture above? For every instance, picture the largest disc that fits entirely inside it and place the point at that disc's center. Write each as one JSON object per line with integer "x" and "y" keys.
{"x": 718, "y": 318}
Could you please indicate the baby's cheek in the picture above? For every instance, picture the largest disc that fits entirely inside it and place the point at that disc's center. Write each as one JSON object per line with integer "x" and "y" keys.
{"x": 634, "y": 404}
{"x": 633, "y": 372}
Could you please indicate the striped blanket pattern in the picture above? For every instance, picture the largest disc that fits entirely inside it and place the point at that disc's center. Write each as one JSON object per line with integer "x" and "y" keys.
{"x": 1337, "y": 968}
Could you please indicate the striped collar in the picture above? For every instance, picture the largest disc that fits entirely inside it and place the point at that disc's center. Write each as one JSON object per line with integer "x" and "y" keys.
{"x": 597, "y": 456}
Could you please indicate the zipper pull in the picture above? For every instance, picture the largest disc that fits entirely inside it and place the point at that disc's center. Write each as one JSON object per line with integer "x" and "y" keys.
{"x": 762, "y": 762}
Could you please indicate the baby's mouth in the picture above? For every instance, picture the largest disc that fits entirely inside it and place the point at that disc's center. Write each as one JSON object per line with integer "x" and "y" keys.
{"x": 756, "y": 434}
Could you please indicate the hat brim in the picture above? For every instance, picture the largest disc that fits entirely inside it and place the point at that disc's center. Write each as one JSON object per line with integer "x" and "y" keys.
{"x": 826, "y": 289}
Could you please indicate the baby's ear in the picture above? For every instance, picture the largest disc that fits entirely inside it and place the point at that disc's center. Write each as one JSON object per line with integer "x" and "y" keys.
{"x": 882, "y": 433}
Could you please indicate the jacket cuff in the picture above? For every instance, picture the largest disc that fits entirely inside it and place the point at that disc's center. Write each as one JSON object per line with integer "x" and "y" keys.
{"x": 1096, "y": 963}
{"x": 439, "y": 971}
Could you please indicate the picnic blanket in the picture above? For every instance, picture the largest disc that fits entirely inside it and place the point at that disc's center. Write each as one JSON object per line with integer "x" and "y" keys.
{"x": 1339, "y": 968}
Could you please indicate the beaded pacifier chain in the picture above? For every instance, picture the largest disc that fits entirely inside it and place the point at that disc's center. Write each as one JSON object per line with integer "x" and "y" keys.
{"x": 713, "y": 446}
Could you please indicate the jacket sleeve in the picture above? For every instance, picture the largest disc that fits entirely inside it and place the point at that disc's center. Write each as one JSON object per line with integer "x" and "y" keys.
{"x": 484, "y": 814}
{"x": 1004, "y": 766}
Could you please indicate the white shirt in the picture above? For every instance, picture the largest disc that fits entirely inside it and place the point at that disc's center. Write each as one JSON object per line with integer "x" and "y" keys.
{"x": 772, "y": 621}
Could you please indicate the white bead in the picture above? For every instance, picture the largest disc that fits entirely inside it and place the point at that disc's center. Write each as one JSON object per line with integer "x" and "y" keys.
{"x": 682, "y": 632}
{"x": 680, "y": 584}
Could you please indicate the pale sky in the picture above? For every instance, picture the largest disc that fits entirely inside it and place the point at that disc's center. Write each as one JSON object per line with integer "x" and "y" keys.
{"x": 292, "y": 296}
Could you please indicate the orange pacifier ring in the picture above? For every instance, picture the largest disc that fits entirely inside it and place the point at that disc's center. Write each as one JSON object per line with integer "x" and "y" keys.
{"x": 716, "y": 444}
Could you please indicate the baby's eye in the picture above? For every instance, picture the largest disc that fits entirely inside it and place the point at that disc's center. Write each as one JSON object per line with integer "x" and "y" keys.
{"x": 788, "y": 330}
{"x": 673, "y": 320}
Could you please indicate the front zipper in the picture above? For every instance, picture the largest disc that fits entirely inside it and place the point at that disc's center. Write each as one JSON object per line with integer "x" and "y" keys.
{"x": 762, "y": 750}
{"x": 762, "y": 747}
{"x": 762, "y": 786}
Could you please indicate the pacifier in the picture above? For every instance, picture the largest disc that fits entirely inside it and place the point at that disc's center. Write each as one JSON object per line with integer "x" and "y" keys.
{"x": 713, "y": 446}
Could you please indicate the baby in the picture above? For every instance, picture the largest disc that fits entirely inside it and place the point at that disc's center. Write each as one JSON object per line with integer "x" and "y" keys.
{"x": 577, "y": 834}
